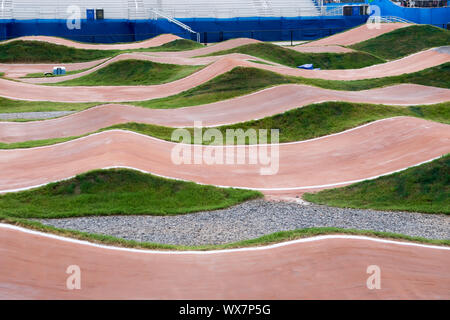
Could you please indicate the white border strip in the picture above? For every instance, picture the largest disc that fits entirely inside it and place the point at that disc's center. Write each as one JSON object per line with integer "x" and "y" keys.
{"x": 262, "y": 248}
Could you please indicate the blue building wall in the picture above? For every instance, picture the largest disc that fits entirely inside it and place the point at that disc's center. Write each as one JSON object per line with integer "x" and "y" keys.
{"x": 435, "y": 16}
{"x": 211, "y": 30}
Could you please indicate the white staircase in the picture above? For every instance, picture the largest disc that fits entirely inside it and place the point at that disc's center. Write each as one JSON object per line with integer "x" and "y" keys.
{"x": 157, "y": 14}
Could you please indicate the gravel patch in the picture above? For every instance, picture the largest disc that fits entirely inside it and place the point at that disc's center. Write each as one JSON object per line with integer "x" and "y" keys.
{"x": 254, "y": 219}
{"x": 34, "y": 115}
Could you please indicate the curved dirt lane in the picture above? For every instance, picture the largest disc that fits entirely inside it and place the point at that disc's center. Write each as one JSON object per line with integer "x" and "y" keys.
{"x": 23, "y": 69}
{"x": 413, "y": 63}
{"x": 304, "y": 269}
{"x": 26, "y": 91}
{"x": 356, "y": 35}
{"x": 143, "y": 57}
{"x": 150, "y": 43}
{"x": 32, "y": 92}
{"x": 410, "y": 64}
{"x": 258, "y": 105}
{"x": 365, "y": 152}
{"x": 182, "y": 57}
{"x": 221, "y": 46}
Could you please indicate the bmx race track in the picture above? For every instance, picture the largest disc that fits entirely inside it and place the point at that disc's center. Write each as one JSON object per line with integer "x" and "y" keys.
{"x": 323, "y": 267}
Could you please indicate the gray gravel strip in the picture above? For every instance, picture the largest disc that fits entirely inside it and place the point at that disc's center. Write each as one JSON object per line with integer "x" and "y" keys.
{"x": 252, "y": 220}
{"x": 34, "y": 115}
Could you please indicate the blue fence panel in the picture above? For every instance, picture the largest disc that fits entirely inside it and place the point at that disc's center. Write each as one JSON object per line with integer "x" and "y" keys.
{"x": 211, "y": 29}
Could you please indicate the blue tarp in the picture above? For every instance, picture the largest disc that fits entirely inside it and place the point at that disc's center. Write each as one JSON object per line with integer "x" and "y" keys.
{"x": 306, "y": 67}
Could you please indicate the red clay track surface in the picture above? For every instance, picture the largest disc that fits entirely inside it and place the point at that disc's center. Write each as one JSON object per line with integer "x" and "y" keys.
{"x": 330, "y": 268}
{"x": 21, "y": 70}
{"x": 34, "y": 265}
{"x": 365, "y": 152}
{"x": 183, "y": 57}
{"x": 412, "y": 63}
{"x": 254, "y": 106}
{"x": 143, "y": 57}
{"x": 154, "y": 42}
{"x": 356, "y": 35}
{"x": 221, "y": 46}
{"x": 25, "y": 91}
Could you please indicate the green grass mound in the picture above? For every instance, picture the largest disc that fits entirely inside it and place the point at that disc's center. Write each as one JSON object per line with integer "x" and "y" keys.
{"x": 405, "y": 41}
{"x": 42, "y": 52}
{"x": 132, "y": 72}
{"x": 13, "y": 106}
{"x": 241, "y": 81}
{"x": 312, "y": 121}
{"x": 292, "y": 58}
{"x": 119, "y": 191}
{"x": 300, "y": 124}
{"x": 326, "y": 118}
{"x": 425, "y": 188}
{"x": 237, "y": 82}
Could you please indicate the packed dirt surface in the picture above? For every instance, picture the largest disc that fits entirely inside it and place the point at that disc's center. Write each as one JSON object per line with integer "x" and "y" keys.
{"x": 142, "y": 57}
{"x": 413, "y": 63}
{"x": 410, "y": 64}
{"x": 26, "y": 91}
{"x": 299, "y": 270}
{"x": 258, "y": 105}
{"x": 154, "y": 42}
{"x": 21, "y": 70}
{"x": 356, "y": 35}
{"x": 332, "y": 267}
{"x": 329, "y": 161}
{"x": 221, "y": 46}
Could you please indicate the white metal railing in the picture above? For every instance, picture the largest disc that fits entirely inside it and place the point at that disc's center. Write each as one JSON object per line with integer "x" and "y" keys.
{"x": 157, "y": 14}
{"x": 332, "y": 10}
{"x": 232, "y": 13}
{"x": 392, "y": 19}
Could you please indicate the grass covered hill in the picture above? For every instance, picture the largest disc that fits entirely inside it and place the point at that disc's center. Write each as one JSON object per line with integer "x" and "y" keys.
{"x": 405, "y": 41}
{"x": 42, "y": 52}
{"x": 300, "y": 124}
{"x": 241, "y": 81}
{"x": 292, "y": 58}
{"x": 132, "y": 72}
{"x": 119, "y": 192}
